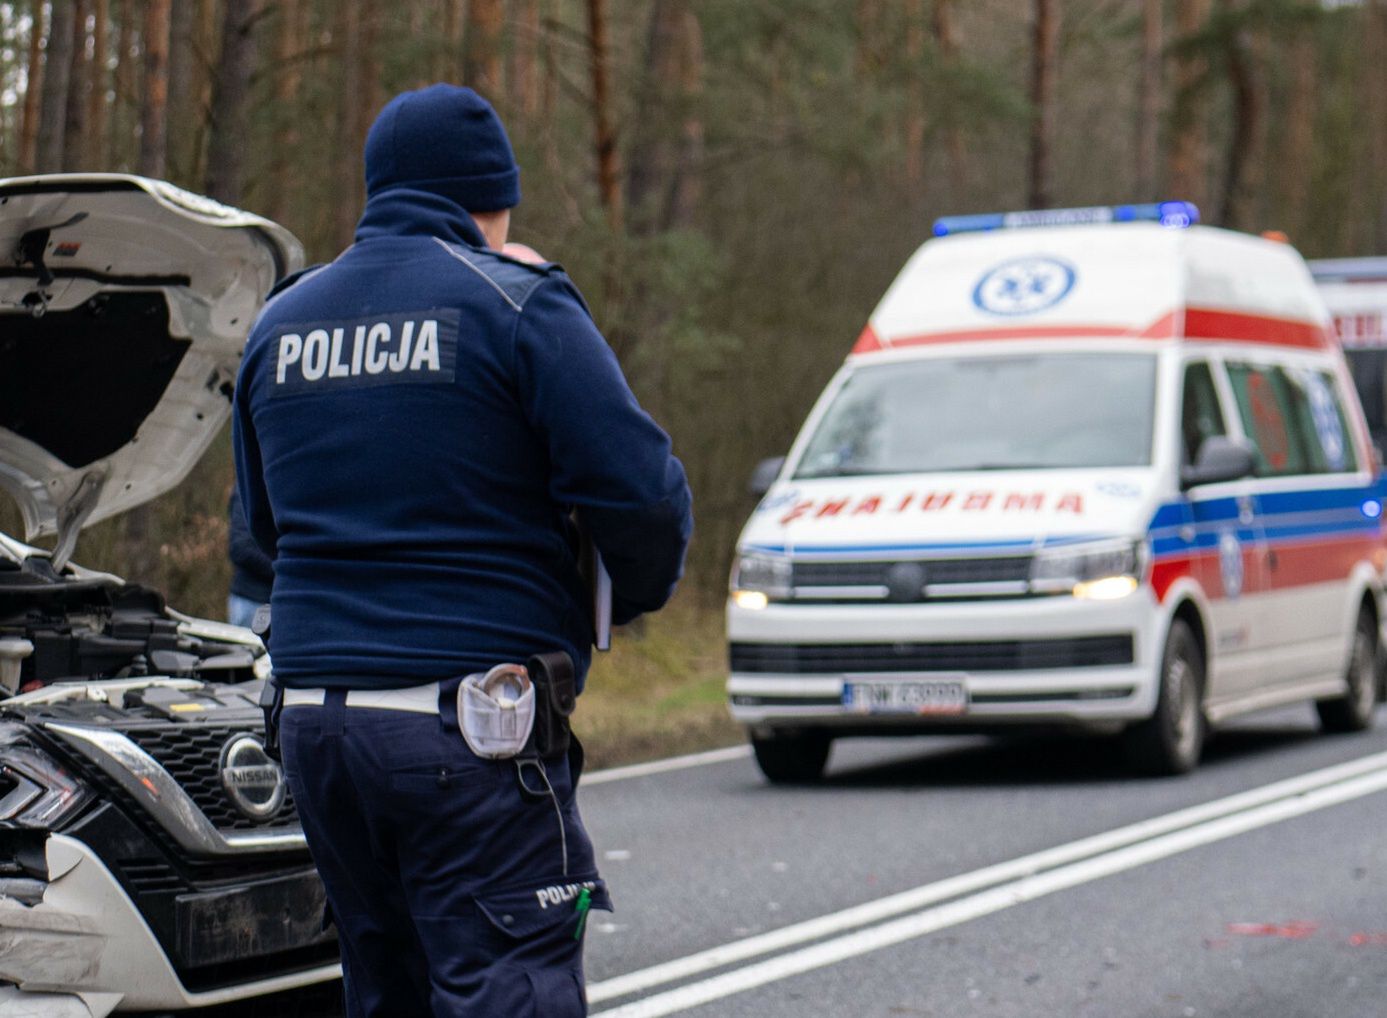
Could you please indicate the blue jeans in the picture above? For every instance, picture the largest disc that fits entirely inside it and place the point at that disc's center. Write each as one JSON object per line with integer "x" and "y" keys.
{"x": 454, "y": 893}
{"x": 240, "y": 611}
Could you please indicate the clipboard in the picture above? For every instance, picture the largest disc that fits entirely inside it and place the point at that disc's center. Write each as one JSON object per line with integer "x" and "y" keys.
{"x": 601, "y": 604}
{"x": 599, "y": 584}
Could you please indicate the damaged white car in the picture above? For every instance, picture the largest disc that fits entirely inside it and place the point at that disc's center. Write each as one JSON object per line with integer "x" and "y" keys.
{"x": 150, "y": 855}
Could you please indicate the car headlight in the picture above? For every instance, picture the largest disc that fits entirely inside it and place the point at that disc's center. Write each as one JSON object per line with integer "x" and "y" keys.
{"x": 758, "y": 579}
{"x": 35, "y": 790}
{"x": 1096, "y": 572}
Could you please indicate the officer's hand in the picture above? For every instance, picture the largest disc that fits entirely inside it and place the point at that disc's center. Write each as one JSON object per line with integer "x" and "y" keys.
{"x": 523, "y": 253}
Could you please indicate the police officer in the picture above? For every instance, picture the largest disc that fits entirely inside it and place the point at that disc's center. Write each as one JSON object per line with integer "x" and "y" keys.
{"x": 416, "y": 426}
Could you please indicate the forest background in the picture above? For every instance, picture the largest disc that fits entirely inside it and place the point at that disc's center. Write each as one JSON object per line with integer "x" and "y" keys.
{"x": 732, "y": 183}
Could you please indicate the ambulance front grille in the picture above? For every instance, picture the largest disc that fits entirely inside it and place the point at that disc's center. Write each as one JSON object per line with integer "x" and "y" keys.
{"x": 943, "y": 579}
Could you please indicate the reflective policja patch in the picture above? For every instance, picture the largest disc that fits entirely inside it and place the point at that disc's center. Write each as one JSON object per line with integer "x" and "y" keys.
{"x": 418, "y": 347}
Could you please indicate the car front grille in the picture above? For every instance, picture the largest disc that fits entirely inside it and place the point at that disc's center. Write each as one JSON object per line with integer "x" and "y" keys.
{"x": 970, "y": 656}
{"x": 192, "y": 754}
{"x": 943, "y": 579}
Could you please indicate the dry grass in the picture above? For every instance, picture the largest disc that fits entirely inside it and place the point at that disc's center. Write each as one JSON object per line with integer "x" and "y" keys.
{"x": 659, "y": 691}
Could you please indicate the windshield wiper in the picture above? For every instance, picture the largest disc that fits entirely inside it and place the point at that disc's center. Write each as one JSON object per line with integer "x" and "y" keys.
{"x": 1006, "y": 466}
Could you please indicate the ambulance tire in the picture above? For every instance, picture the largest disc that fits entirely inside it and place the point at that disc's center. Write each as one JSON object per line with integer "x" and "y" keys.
{"x": 791, "y": 758}
{"x": 1172, "y": 739}
{"x": 1353, "y": 712}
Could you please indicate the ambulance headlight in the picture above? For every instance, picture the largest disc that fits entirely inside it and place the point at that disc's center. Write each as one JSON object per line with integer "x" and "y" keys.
{"x": 758, "y": 579}
{"x": 1097, "y": 572}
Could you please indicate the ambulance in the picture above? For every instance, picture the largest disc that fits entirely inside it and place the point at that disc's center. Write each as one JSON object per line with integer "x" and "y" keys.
{"x": 1095, "y": 468}
{"x": 1355, "y": 291}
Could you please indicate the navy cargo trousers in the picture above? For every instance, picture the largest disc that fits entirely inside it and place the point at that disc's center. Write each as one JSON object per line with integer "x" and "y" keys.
{"x": 456, "y": 893}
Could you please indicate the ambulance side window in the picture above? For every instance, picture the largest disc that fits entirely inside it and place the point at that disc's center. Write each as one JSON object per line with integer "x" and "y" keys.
{"x": 1200, "y": 418}
{"x": 1319, "y": 414}
{"x": 1270, "y": 405}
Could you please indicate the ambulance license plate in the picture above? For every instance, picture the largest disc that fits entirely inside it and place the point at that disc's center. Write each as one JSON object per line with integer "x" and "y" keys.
{"x": 906, "y": 697}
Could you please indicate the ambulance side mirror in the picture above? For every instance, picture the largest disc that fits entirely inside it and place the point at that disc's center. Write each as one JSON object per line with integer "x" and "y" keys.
{"x": 764, "y": 475}
{"x": 1220, "y": 459}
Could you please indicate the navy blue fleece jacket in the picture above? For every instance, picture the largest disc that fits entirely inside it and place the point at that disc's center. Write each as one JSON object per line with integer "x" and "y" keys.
{"x": 414, "y": 425}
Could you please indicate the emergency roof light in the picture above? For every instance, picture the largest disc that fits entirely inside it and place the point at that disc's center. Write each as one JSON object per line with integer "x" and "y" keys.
{"x": 1176, "y": 214}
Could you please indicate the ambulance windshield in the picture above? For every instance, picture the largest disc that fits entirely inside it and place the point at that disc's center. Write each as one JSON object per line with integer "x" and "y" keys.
{"x": 1009, "y": 412}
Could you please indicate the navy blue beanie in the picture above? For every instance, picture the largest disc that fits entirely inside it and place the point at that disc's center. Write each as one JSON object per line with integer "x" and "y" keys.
{"x": 447, "y": 140}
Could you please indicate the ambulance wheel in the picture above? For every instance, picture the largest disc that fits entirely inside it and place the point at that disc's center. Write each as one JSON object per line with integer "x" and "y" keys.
{"x": 791, "y": 758}
{"x": 1171, "y": 740}
{"x": 1353, "y": 712}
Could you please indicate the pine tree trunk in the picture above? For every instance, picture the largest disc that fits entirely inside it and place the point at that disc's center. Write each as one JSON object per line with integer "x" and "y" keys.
{"x": 154, "y": 121}
{"x": 524, "y": 77}
{"x": 1044, "y": 73}
{"x": 57, "y": 75}
{"x": 292, "y": 30}
{"x": 1149, "y": 100}
{"x": 75, "y": 113}
{"x": 608, "y": 158}
{"x": 230, "y": 102}
{"x": 118, "y": 150}
{"x": 29, "y": 126}
{"x": 97, "y": 86}
{"x": 371, "y": 98}
{"x": 183, "y": 111}
{"x": 1298, "y": 139}
{"x": 207, "y": 41}
{"x": 421, "y": 27}
{"x": 1246, "y": 146}
{"x": 915, "y": 102}
{"x": 652, "y": 160}
{"x": 687, "y": 192}
{"x": 347, "y": 168}
{"x": 450, "y": 55}
{"x": 1188, "y": 162}
{"x": 946, "y": 42}
{"x": 481, "y": 67}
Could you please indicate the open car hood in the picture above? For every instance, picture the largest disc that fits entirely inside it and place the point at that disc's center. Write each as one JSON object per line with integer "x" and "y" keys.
{"x": 124, "y": 308}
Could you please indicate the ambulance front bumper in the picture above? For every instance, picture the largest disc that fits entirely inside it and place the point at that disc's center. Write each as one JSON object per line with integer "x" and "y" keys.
{"x": 83, "y": 950}
{"x": 1037, "y": 660}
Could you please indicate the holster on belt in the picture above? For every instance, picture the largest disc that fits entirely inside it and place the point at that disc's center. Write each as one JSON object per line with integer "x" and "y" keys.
{"x": 272, "y": 705}
{"x": 556, "y": 691}
{"x": 272, "y": 695}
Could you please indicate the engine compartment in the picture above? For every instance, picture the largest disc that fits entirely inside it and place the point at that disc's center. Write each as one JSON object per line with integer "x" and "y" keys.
{"x": 62, "y": 627}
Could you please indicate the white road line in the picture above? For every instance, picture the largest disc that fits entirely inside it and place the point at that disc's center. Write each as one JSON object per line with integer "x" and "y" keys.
{"x": 674, "y": 763}
{"x": 995, "y": 900}
{"x": 1022, "y": 868}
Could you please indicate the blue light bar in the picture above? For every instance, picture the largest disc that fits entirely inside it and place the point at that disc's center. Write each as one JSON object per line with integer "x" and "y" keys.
{"x": 1174, "y": 214}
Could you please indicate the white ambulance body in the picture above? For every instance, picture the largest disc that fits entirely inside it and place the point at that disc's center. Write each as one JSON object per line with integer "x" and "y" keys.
{"x": 1355, "y": 291}
{"x": 1110, "y": 474}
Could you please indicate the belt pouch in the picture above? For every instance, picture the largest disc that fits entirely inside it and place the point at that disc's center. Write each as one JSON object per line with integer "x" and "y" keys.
{"x": 496, "y": 711}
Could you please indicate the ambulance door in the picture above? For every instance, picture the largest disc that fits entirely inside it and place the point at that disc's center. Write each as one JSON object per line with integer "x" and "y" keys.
{"x": 1301, "y": 609}
{"x": 1309, "y": 500}
{"x": 1228, "y": 552}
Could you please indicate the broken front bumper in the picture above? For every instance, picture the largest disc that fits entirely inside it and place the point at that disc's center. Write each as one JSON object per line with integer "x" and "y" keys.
{"x": 82, "y": 949}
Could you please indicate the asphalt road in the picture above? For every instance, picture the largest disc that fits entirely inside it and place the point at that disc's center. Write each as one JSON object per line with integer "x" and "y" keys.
{"x": 966, "y": 876}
